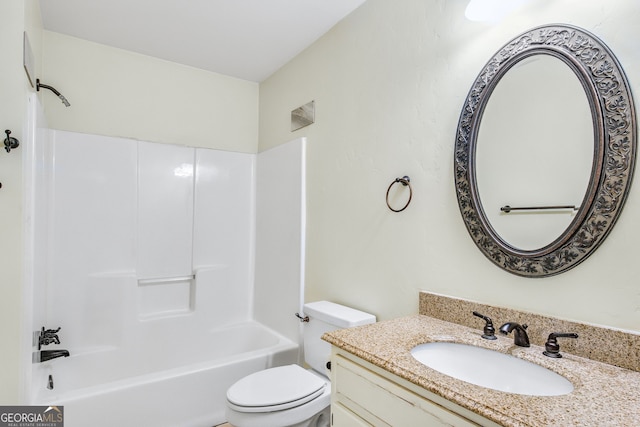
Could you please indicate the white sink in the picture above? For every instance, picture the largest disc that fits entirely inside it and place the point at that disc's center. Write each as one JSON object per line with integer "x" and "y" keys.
{"x": 491, "y": 369}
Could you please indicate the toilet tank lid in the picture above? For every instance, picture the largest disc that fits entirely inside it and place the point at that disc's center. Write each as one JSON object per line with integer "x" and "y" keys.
{"x": 338, "y": 315}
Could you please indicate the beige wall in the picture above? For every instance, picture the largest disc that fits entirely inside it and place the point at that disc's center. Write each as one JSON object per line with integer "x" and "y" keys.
{"x": 120, "y": 93}
{"x": 389, "y": 83}
{"x": 17, "y": 17}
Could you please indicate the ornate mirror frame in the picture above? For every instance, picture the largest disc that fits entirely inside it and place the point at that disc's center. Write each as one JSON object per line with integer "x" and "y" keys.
{"x": 614, "y": 123}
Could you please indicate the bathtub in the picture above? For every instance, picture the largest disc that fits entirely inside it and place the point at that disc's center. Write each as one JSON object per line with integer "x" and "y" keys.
{"x": 168, "y": 384}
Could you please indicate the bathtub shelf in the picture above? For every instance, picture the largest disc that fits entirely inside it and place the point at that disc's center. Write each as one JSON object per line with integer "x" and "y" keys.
{"x": 166, "y": 296}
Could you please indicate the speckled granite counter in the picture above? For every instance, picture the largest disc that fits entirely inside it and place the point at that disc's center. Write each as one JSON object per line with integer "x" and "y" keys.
{"x": 604, "y": 395}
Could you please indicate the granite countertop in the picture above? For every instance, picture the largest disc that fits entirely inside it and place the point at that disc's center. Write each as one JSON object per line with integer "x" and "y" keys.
{"x": 603, "y": 395}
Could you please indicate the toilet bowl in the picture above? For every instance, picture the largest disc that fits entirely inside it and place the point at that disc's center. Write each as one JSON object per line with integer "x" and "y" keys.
{"x": 283, "y": 396}
{"x": 291, "y": 396}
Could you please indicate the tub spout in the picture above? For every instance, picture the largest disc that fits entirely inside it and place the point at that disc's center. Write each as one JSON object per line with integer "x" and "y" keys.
{"x": 44, "y": 355}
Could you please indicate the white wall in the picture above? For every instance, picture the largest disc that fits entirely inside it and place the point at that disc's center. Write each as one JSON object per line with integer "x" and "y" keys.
{"x": 119, "y": 93}
{"x": 130, "y": 222}
{"x": 14, "y": 88}
{"x": 280, "y": 237}
{"x": 389, "y": 82}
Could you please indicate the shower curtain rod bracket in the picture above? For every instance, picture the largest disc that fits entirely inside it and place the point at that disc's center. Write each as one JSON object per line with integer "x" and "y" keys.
{"x": 10, "y": 142}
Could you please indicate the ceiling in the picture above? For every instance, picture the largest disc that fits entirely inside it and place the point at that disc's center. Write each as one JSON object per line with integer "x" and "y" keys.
{"x": 247, "y": 39}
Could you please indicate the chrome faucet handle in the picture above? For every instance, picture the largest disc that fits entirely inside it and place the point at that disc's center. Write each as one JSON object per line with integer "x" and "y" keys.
{"x": 489, "y": 330}
{"x": 552, "y": 348}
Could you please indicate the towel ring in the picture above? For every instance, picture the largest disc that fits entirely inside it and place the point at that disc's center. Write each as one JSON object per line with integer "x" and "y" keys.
{"x": 405, "y": 181}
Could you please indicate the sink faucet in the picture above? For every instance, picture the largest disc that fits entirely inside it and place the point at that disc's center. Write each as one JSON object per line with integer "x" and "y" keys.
{"x": 520, "y": 337}
{"x": 44, "y": 355}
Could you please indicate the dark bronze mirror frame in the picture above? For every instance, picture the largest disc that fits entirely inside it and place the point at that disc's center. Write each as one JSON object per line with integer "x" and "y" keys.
{"x": 614, "y": 123}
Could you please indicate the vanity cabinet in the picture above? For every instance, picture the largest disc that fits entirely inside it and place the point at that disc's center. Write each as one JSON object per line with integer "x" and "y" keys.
{"x": 366, "y": 395}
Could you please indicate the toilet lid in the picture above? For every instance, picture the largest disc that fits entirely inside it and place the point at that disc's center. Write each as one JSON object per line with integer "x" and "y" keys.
{"x": 275, "y": 389}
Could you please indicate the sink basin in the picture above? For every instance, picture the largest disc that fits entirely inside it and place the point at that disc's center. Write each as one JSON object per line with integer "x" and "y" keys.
{"x": 491, "y": 369}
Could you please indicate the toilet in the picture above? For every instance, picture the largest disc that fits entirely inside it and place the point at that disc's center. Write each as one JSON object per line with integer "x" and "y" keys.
{"x": 291, "y": 396}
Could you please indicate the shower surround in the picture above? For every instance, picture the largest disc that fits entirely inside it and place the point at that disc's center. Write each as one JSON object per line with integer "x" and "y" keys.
{"x": 144, "y": 256}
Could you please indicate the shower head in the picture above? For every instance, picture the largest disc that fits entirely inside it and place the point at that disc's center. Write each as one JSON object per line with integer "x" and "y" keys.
{"x": 64, "y": 100}
{"x": 52, "y": 89}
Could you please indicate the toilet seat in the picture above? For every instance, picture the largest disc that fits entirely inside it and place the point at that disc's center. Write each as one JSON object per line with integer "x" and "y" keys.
{"x": 275, "y": 389}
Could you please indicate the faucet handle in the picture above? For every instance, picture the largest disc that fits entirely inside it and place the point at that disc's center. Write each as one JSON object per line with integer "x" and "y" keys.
{"x": 552, "y": 348}
{"x": 489, "y": 330}
{"x": 49, "y": 336}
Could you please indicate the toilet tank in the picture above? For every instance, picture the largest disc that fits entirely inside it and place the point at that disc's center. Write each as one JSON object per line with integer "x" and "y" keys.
{"x": 325, "y": 316}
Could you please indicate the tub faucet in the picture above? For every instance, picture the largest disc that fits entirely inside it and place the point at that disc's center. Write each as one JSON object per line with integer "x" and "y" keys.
{"x": 44, "y": 355}
{"x": 520, "y": 337}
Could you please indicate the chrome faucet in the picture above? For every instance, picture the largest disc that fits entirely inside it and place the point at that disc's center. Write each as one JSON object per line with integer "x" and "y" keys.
{"x": 520, "y": 337}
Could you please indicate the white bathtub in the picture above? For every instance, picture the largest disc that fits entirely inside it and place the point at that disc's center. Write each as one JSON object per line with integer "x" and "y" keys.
{"x": 168, "y": 384}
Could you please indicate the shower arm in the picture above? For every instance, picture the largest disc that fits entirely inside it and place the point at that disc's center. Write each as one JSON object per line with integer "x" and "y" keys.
{"x": 52, "y": 89}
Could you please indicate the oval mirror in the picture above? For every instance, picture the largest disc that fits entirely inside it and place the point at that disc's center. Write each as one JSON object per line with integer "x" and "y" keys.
{"x": 545, "y": 151}
{"x": 547, "y": 158}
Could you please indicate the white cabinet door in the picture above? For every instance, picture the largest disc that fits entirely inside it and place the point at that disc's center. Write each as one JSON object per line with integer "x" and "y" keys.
{"x": 342, "y": 417}
{"x": 381, "y": 402}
